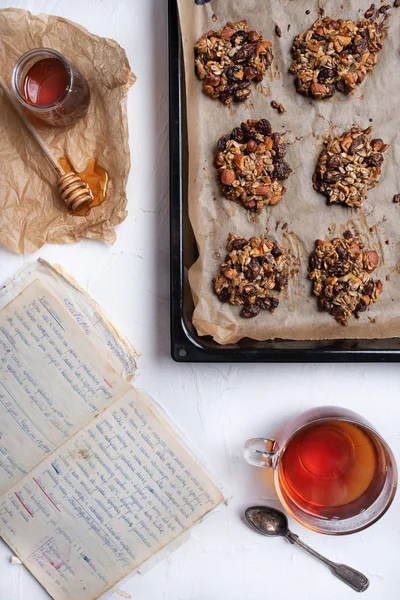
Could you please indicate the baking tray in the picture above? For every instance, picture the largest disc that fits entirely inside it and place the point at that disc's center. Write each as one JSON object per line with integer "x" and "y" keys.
{"x": 186, "y": 345}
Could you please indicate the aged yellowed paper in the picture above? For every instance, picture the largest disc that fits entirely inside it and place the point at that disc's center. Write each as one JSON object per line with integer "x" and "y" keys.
{"x": 107, "y": 500}
{"x": 52, "y": 381}
{"x": 94, "y": 480}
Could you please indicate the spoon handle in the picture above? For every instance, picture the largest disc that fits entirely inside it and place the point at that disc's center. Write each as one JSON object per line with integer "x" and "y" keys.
{"x": 353, "y": 578}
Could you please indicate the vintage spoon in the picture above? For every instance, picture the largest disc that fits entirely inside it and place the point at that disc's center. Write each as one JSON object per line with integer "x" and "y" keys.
{"x": 272, "y": 522}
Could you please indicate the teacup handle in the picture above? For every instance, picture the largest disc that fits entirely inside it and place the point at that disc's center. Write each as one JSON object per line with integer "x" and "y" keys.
{"x": 260, "y": 452}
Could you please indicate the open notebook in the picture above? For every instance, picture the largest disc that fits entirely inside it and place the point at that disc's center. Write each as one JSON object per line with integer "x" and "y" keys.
{"x": 93, "y": 479}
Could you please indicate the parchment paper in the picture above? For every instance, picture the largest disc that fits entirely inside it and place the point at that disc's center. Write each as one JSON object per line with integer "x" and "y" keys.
{"x": 31, "y": 212}
{"x": 303, "y": 215}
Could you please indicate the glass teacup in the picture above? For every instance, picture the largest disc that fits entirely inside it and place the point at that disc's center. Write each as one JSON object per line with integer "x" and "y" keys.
{"x": 333, "y": 472}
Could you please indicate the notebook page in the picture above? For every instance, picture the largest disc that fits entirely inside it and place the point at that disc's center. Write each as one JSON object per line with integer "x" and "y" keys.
{"x": 52, "y": 380}
{"x": 86, "y": 312}
{"x": 115, "y": 494}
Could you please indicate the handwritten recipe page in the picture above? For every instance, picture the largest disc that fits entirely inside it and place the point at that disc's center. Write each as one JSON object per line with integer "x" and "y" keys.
{"x": 51, "y": 382}
{"x": 94, "y": 480}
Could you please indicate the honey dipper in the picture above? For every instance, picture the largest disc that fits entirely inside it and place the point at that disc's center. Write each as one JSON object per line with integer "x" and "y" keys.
{"x": 73, "y": 191}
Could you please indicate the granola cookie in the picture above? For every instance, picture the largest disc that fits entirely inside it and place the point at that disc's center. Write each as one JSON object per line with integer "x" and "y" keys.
{"x": 252, "y": 269}
{"x": 337, "y": 53}
{"x": 250, "y": 165}
{"x": 349, "y": 166}
{"x": 228, "y": 60}
{"x": 341, "y": 274}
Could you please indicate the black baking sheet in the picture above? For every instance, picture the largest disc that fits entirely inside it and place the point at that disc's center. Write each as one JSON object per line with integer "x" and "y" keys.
{"x": 186, "y": 345}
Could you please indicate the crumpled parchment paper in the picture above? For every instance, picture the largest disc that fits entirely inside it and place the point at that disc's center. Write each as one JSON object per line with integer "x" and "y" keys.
{"x": 303, "y": 215}
{"x": 31, "y": 212}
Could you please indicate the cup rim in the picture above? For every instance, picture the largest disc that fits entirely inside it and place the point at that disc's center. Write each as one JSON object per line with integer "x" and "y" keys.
{"x": 14, "y": 77}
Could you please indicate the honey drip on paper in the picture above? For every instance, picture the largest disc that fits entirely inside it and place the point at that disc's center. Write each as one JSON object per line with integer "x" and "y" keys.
{"x": 97, "y": 179}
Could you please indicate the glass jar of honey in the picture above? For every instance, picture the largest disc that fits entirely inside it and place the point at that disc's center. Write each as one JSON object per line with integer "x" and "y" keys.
{"x": 50, "y": 89}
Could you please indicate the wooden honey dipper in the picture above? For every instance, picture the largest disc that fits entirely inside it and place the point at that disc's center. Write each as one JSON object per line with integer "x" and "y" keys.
{"x": 73, "y": 191}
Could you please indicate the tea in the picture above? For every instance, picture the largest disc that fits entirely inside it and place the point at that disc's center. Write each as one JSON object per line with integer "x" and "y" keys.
{"x": 333, "y": 469}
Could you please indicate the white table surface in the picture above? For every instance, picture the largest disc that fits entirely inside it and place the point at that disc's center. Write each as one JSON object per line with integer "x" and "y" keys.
{"x": 217, "y": 406}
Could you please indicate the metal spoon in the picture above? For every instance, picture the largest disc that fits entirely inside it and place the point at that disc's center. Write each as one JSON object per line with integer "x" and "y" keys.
{"x": 270, "y": 521}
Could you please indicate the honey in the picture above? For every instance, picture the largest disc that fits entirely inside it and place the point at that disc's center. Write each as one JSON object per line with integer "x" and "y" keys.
{"x": 49, "y": 88}
{"x": 45, "y": 82}
{"x": 97, "y": 179}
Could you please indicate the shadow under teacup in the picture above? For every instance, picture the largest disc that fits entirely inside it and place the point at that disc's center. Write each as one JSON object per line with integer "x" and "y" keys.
{"x": 333, "y": 472}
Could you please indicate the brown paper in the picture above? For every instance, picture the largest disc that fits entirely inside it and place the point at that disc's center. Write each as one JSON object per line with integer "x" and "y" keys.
{"x": 303, "y": 215}
{"x": 31, "y": 212}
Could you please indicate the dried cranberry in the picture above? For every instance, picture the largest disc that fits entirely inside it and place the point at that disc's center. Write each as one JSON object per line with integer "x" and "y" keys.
{"x": 326, "y": 304}
{"x": 251, "y": 205}
{"x": 224, "y": 295}
{"x": 339, "y": 288}
{"x": 245, "y": 53}
{"x": 242, "y": 94}
{"x": 249, "y": 290}
{"x": 276, "y": 251}
{"x": 369, "y": 288}
{"x": 360, "y": 46}
{"x": 330, "y": 90}
{"x": 332, "y": 176}
{"x": 278, "y": 145}
{"x": 249, "y": 312}
{"x": 358, "y": 144}
{"x": 281, "y": 282}
{"x": 239, "y": 243}
{"x": 239, "y": 38}
{"x": 274, "y": 303}
{"x": 340, "y": 269}
{"x": 247, "y": 133}
{"x": 250, "y": 73}
{"x": 234, "y": 74}
{"x": 325, "y": 74}
{"x": 341, "y": 252}
{"x": 360, "y": 308}
{"x": 315, "y": 262}
{"x": 252, "y": 270}
{"x": 243, "y": 85}
{"x": 264, "y": 126}
{"x": 375, "y": 160}
{"x": 237, "y": 135}
{"x": 226, "y": 95}
{"x": 337, "y": 311}
{"x": 222, "y": 142}
{"x": 280, "y": 150}
{"x": 334, "y": 162}
{"x": 281, "y": 170}
{"x": 268, "y": 303}
{"x": 228, "y": 191}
